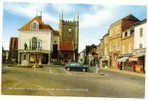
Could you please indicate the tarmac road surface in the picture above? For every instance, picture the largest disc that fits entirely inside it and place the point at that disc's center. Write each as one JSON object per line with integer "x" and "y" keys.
{"x": 55, "y": 81}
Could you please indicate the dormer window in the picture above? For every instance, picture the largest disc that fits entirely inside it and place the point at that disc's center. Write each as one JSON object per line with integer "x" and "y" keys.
{"x": 34, "y": 25}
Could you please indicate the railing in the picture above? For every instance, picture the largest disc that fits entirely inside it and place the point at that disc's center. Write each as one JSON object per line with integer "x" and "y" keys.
{"x": 37, "y": 50}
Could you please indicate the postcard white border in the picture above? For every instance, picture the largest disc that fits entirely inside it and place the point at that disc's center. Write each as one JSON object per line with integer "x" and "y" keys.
{"x": 110, "y": 2}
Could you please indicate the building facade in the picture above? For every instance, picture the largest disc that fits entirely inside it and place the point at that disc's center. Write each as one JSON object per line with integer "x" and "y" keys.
{"x": 127, "y": 47}
{"x": 13, "y": 50}
{"x": 69, "y": 40}
{"x": 115, "y": 32}
{"x": 35, "y": 42}
{"x": 140, "y": 43}
{"x": 105, "y": 58}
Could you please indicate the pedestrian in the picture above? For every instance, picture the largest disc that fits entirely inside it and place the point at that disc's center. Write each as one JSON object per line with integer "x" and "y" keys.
{"x": 97, "y": 67}
{"x": 134, "y": 67}
{"x": 34, "y": 67}
{"x": 118, "y": 65}
{"x": 121, "y": 66}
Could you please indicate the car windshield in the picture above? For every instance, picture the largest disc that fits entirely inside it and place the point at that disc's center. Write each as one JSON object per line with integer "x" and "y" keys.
{"x": 75, "y": 63}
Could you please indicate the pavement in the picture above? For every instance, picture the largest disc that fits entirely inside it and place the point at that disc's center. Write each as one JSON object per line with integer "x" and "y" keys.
{"x": 125, "y": 72}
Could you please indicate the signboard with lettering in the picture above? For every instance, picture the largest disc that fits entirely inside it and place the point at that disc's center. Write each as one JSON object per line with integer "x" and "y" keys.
{"x": 133, "y": 59}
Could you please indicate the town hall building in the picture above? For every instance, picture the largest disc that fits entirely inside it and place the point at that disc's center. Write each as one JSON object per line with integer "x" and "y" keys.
{"x": 36, "y": 42}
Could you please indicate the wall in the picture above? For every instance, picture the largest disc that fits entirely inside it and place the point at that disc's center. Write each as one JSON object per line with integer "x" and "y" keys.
{"x": 139, "y": 39}
{"x": 26, "y": 36}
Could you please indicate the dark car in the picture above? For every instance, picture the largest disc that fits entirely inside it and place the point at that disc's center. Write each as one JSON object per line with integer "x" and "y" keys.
{"x": 76, "y": 66}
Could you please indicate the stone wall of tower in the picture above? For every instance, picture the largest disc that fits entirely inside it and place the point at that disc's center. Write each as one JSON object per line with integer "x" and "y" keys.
{"x": 69, "y": 31}
{"x": 76, "y": 34}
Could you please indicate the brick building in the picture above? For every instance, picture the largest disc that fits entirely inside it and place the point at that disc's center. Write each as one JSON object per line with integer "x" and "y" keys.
{"x": 13, "y": 50}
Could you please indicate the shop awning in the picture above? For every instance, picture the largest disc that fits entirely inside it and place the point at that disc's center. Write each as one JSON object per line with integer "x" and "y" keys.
{"x": 123, "y": 59}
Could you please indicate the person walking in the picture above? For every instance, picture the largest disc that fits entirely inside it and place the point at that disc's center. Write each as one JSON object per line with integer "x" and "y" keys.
{"x": 97, "y": 67}
{"x": 121, "y": 66}
{"x": 34, "y": 67}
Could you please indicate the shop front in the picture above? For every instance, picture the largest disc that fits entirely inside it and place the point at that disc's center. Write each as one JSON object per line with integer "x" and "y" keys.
{"x": 105, "y": 62}
{"x": 132, "y": 63}
{"x": 140, "y": 63}
{"x": 124, "y": 63}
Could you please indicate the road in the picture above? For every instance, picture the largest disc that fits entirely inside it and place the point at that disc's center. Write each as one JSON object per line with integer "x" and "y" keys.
{"x": 55, "y": 81}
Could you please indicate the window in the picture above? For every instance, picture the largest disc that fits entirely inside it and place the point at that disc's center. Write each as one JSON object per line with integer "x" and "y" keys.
{"x": 39, "y": 46}
{"x": 125, "y": 34}
{"x": 106, "y": 53}
{"x": 129, "y": 48}
{"x": 131, "y": 32}
{"x": 34, "y": 43}
{"x": 123, "y": 49}
{"x": 140, "y": 45}
{"x": 141, "y": 32}
{"x": 25, "y": 46}
{"x": 34, "y": 25}
{"x": 122, "y": 35}
{"x": 118, "y": 44}
{"x": 110, "y": 32}
{"x": 110, "y": 47}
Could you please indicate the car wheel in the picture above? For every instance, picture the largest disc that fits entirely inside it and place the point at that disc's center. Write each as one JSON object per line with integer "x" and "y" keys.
{"x": 84, "y": 70}
{"x": 68, "y": 69}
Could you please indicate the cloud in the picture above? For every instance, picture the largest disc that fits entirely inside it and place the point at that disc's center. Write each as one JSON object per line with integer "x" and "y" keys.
{"x": 5, "y": 44}
{"x": 66, "y": 8}
{"x": 29, "y": 10}
{"x": 100, "y": 15}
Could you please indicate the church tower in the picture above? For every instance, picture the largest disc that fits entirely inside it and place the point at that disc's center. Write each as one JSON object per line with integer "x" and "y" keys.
{"x": 69, "y": 40}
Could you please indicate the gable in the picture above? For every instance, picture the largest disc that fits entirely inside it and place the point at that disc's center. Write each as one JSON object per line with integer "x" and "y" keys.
{"x": 37, "y": 19}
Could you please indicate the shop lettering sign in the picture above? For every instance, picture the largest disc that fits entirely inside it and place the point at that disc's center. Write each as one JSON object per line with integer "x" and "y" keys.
{"x": 133, "y": 59}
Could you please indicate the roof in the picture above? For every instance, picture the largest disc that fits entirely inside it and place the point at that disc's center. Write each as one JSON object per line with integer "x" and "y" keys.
{"x": 126, "y": 25}
{"x": 55, "y": 32}
{"x": 140, "y": 22}
{"x": 66, "y": 46}
{"x": 42, "y": 26}
{"x": 45, "y": 26}
{"x": 107, "y": 34}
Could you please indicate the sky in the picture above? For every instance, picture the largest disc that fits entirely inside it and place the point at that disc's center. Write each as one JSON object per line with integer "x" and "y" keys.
{"x": 94, "y": 20}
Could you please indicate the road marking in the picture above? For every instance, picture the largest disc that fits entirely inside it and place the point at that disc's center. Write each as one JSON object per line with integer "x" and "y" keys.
{"x": 52, "y": 94}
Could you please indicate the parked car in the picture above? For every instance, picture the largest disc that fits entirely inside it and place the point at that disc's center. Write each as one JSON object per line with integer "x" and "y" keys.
{"x": 76, "y": 66}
